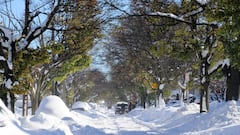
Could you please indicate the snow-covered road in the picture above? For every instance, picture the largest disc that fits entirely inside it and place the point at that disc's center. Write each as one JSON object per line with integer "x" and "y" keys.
{"x": 111, "y": 124}
{"x": 54, "y": 118}
{"x": 122, "y": 125}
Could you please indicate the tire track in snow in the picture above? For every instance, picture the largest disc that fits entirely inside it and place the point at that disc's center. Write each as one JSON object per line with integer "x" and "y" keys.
{"x": 125, "y": 125}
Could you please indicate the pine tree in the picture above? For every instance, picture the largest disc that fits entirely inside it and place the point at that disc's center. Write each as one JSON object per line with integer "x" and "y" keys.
{"x": 12, "y": 45}
{"x": 69, "y": 54}
{"x": 226, "y": 13}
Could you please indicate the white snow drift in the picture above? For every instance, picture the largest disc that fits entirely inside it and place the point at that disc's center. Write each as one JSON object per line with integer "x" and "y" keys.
{"x": 54, "y": 118}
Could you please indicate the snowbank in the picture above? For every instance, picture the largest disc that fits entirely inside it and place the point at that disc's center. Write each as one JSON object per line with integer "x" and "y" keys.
{"x": 54, "y": 118}
{"x": 223, "y": 119}
{"x": 48, "y": 119}
{"x": 9, "y": 125}
{"x": 43, "y": 124}
{"x": 5, "y": 111}
{"x": 53, "y": 105}
{"x": 81, "y": 106}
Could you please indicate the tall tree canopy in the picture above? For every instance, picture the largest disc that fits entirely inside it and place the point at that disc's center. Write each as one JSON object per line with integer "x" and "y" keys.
{"x": 183, "y": 31}
{"x": 66, "y": 31}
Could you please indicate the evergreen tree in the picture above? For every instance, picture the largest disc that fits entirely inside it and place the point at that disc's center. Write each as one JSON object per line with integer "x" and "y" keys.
{"x": 18, "y": 37}
{"x": 226, "y": 13}
{"x": 70, "y": 53}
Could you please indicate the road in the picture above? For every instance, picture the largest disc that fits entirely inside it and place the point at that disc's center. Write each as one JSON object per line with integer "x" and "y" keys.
{"x": 110, "y": 124}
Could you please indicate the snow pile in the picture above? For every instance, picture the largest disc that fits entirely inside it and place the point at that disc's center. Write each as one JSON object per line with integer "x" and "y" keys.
{"x": 48, "y": 119}
{"x": 53, "y": 105}
{"x": 81, "y": 106}
{"x": 43, "y": 124}
{"x": 9, "y": 125}
{"x": 155, "y": 115}
{"x": 54, "y": 118}
{"x": 223, "y": 119}
{"x": 7, "y": 114}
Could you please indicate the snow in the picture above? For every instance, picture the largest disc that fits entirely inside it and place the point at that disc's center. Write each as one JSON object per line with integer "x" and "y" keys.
{"x": 161, "y": 86}
{"x": 9, "y": 83}
{"x": 2, "y": 58}
{"x": 8, "y": 32}
{"x": 182, "y": 86}
{"x": 205, "y": 52}
{"x": 203, "y": 80}
{"x": 53, "y": 105}
{"x": 54, "y": 118}
{"x": 203, "y": 2}
{"x": 170, "y": 15}
{"x": 181, "y": 17}
{"x": 81, "y": 106}
{"x": 10, "y": 64}
{"x": 221, "y": 63}
{"x": 161, "y": 102}
{"x": 226, "y": 62}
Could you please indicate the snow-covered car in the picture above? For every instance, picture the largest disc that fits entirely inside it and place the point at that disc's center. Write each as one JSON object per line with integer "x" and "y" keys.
{"x": 121, "y": 107}
{"x": 174, "y": 100}
{"x": 82, "y": 106}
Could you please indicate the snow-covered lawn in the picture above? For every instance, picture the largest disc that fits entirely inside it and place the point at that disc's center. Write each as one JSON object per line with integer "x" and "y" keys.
{"x": 54, "y": 118}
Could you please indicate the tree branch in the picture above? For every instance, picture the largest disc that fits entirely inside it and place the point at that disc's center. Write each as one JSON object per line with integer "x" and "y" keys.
{"x": 39, "y": 30}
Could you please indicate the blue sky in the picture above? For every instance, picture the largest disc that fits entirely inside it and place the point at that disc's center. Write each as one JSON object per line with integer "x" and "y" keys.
{"x": 17, "y": 5}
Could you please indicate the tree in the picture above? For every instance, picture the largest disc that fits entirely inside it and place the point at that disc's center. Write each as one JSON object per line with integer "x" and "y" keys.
{"x": 227, "y": 13}
{"x": 21, "y": 36}
{"x": 134, "y": 55}
{"x": 66, "y": 22}
{"x": 70, "y": 53}
{"x": 202, "y": 41}
{"x": 201, "y": 38}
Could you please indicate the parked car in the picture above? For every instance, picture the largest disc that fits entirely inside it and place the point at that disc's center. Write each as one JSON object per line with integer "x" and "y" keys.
{"x": 121, "y": 107}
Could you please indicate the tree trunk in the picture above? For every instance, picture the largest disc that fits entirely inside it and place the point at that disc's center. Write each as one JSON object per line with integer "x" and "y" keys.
{"x": 143, "y": 99}
{"x": 25, "y": 105}
{"x": 35, "y": 99}
{"x": 182, "y": 97}
{"x": 12, "y": 101}
{"x": 204, "y": 92}
{"x": 233, "y": 81}
{"x": 3, "y": 95}
{"x": 54, "y": 88}
{"x": 8, "y": 76}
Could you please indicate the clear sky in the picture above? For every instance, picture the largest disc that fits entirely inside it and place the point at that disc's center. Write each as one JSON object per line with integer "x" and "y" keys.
{"x": 17, "y": 7}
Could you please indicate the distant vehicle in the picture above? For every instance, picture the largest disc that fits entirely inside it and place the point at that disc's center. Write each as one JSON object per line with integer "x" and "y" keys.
{"x": 121, "y": 108}
{"x": 175, "y": 99}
